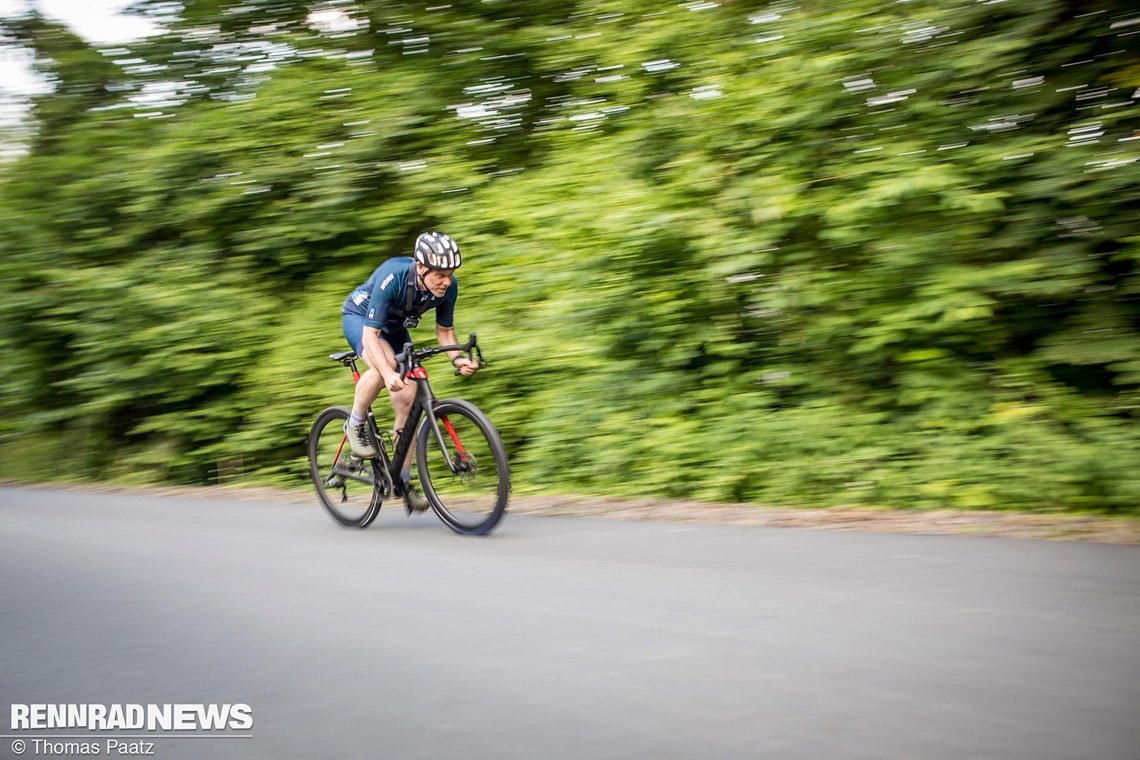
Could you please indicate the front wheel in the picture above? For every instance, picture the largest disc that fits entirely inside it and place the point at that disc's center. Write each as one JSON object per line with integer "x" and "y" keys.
{"x": 346, "y": 485}
{"x": 463, "y": 471}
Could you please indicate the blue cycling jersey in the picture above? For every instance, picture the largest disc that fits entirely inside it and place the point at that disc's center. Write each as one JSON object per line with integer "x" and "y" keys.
{"x": 386, "y": 288}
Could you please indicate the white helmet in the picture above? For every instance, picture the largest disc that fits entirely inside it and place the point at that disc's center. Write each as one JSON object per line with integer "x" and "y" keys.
{"x": 437, "y": 251}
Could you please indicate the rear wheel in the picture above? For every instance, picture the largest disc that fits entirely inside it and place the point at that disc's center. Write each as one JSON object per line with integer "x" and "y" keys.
{"x": 465, "y": 476}
{"x": 346, "y": 484}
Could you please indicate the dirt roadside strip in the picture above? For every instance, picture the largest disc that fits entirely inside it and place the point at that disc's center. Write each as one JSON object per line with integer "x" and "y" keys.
{"x": 1053, "y": 527}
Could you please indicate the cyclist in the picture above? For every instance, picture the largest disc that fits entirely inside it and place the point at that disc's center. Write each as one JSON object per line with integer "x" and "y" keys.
{"x": 375, "y": 318}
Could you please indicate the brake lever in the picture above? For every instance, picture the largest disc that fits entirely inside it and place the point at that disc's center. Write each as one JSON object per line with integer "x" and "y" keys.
{"x": 403, "y": 359}
{"x": 478, "y": 353}
{"x": 472, "y": 345}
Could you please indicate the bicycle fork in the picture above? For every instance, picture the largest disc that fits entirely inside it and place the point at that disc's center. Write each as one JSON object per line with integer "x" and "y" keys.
{"x": 452, "y": 463}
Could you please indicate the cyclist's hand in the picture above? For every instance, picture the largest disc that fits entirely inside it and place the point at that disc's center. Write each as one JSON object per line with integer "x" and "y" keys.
{"x": 465, "y": 366}
{"x": 394, "y": 382}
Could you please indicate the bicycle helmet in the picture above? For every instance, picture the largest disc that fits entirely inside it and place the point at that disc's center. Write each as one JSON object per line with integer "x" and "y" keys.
{"x": 437, "y": 251}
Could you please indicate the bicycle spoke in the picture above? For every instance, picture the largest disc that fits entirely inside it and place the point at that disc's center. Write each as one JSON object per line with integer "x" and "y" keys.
{"x": 345, "y": 483}
{"x": 466, "y": 471}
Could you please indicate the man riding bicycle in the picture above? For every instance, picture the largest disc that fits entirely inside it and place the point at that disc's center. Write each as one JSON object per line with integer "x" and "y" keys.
{"x": 375, "y": 318}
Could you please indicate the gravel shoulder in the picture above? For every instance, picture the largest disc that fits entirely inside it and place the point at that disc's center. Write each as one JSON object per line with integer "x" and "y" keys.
{"x": 1053, "y": 527}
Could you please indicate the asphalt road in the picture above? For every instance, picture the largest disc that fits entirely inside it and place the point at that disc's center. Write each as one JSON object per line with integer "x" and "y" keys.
{"x": 566, "y": 638}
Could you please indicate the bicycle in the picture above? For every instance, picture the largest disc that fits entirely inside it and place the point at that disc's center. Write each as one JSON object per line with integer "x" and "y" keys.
{"x": 460, "y": 458}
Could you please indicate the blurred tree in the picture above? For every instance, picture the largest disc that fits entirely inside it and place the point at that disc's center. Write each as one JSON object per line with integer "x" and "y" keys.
{"x": 856, "y": 252}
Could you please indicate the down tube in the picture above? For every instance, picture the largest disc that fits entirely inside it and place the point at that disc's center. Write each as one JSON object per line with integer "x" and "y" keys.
{"x": 407, "y": 436}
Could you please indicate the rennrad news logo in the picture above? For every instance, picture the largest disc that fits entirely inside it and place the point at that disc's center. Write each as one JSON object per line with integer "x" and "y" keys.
{"x": 97, "y": 717}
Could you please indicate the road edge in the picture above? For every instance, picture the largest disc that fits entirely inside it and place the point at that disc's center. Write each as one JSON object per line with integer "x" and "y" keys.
{"x": 1021, "y": 525}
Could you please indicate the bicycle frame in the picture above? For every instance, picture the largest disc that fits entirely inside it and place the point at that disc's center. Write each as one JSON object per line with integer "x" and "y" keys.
{"x": 404, "y": 437}
{"x": 468, "y": 490}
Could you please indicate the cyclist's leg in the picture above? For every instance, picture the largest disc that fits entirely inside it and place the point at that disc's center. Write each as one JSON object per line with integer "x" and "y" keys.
{"x": 402, "y": 399}
{"x": 367, "y": 387}
{"x": 370, "y": 383}
{"x": 401, "y": 405}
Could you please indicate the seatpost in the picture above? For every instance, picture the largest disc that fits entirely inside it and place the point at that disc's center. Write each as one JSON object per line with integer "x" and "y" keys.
{"x": 351, "y": 364}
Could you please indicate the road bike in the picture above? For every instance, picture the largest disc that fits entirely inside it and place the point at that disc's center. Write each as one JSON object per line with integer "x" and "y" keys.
{"x": 460, "y": 458}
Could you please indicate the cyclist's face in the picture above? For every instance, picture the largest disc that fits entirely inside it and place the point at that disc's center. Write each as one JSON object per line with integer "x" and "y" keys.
{"x": 436, "y": 280}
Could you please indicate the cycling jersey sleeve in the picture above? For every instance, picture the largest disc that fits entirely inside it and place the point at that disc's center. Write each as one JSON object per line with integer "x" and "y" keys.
{"x": 387, "y": 288}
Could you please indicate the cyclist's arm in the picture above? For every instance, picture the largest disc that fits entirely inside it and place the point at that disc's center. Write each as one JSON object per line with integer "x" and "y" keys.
{"x": 445, "y": 336}
{"x": 378, "y": 354}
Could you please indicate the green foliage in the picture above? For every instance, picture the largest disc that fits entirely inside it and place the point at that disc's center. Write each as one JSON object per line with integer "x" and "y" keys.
{"x": 863, "y": 252}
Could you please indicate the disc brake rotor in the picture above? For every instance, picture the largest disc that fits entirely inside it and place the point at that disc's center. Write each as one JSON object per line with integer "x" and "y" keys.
{"x": 465, "y": 467}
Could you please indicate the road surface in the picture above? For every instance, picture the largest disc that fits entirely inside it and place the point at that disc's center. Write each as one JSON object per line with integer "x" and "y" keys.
{"x": 562, "y": 637}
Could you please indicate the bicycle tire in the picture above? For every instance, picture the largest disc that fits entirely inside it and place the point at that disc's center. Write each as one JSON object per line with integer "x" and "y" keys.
{"x": 466, "y": 506}
{"x": 327, "y": 448}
